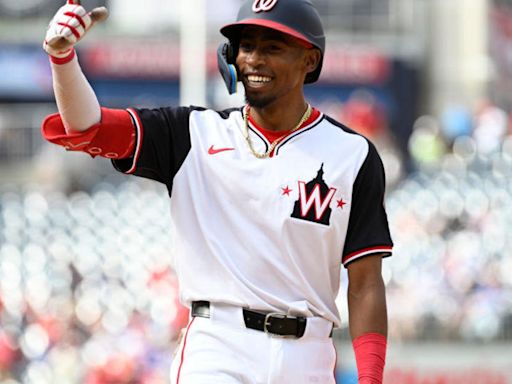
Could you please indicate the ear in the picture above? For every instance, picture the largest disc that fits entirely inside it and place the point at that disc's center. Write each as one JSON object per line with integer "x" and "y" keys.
{"x": 312, "y": 59}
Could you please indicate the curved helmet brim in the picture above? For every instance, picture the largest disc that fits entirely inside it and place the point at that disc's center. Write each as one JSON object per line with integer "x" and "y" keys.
{"x": 232, "y": 31}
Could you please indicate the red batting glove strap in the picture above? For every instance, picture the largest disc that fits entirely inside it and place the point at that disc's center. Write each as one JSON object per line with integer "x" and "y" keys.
{"x": 114, "y": 137}
{"x": 370, "y": 351}
{"x": 63, "y": 60}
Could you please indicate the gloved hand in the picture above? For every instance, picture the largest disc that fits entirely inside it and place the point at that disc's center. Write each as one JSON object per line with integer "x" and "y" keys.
{"x": 68, "y": 27}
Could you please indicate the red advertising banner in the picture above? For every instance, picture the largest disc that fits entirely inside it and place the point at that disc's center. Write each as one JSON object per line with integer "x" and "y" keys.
{"x": 128, "y": 59}
{"x": 155, "y": 60}
{"x": 470, "y": 376}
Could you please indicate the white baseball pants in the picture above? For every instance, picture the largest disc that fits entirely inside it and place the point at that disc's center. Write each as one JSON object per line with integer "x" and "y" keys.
{"x": 221, "y": 350}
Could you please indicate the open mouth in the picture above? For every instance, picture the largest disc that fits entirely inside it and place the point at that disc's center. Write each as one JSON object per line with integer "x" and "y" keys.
{"x": 258, "y": 80}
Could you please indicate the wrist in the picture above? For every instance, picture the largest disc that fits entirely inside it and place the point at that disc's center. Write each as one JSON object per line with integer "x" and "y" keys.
{"x": 370, "y": 353}
{"x": 63, "y": 57}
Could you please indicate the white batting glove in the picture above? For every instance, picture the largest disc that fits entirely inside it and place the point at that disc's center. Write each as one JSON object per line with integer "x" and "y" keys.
{"x": 69, "y": 25}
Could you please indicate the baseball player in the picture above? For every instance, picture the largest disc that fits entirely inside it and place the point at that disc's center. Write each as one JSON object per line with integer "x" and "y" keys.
{"x": 267, "y": 201}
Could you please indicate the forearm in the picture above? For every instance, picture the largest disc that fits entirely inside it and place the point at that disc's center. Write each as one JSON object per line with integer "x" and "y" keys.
{"x": 76, "y": 101}
{"x": 81, "y": 124}
{"x": 368, "y": 328}
{"x": 367, "y": 309}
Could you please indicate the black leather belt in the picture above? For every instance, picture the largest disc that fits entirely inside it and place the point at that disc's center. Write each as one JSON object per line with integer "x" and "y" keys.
{"x": 274, "y": 323}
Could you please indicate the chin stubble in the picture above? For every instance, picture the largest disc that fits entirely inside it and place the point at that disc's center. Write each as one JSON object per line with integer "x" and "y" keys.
{"x": 258, "y": 102}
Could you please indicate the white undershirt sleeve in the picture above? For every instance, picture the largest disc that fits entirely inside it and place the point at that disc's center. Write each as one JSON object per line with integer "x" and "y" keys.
{"x": 76, "y": 100}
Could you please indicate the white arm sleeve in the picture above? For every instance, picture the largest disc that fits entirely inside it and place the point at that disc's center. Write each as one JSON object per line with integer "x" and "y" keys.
{"x": 76, "y": 100}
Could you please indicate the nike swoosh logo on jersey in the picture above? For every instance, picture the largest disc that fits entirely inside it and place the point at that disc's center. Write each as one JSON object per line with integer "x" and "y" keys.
{"x": 214, "y": 151}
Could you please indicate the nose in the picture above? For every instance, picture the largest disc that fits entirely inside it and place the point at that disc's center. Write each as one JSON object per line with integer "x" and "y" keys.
{"x": 254, "y": 57}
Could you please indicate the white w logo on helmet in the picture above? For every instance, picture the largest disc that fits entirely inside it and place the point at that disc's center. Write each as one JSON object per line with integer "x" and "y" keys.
{"x": 263, "y": 5}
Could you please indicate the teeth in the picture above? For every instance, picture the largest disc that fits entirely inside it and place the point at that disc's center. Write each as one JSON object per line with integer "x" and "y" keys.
{"x": 258, "y": 79}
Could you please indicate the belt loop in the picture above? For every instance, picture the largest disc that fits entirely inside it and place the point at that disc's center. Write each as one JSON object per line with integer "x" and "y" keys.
{"x": 200, "y": 309}
{"x": 301, "y": 326}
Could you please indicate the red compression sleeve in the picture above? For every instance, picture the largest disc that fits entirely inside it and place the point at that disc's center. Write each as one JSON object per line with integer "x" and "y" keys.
{"x": 114, "y": 137}
{"x": 370, "y": 351}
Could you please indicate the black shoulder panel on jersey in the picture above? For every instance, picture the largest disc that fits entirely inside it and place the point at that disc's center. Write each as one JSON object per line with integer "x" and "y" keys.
{"x": 368, "y": 224}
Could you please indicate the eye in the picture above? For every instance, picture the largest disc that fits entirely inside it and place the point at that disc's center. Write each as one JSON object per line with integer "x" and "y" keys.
{"x": 245, "y": 46}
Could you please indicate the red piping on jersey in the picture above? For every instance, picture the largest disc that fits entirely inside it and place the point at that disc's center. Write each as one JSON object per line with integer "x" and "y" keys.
{"x": 140, "y": 134}
{"x": 183, "y": 350}
{"x": 335, "y": 360}
{"x": 356, "y": 254}
{"x": 271, "y": 135}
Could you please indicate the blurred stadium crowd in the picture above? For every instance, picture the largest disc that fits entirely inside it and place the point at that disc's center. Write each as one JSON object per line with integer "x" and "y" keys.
{"x": 86, "y": 283}
{"x": 450, "y": 221}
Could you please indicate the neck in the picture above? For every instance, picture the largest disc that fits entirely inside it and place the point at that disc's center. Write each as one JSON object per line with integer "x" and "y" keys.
{"x": 279, "y": 117}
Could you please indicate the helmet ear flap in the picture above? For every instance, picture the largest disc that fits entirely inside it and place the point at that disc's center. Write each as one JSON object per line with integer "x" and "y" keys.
{"x": 230, "y": 53}
{"x": 226, "y": 61}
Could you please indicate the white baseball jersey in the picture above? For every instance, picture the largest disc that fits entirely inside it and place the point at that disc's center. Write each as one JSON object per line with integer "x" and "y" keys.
{"x": 267, "y": 234}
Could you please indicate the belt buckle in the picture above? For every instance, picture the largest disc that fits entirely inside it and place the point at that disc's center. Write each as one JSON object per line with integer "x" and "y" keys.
{"x": 266, "y": 323}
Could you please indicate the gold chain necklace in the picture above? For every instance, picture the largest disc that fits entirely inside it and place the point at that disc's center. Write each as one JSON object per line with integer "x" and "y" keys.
{"x": 266, "y": 154}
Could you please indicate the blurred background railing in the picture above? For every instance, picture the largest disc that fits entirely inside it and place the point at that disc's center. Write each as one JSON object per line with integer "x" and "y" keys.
{"x": 87, "y": 292}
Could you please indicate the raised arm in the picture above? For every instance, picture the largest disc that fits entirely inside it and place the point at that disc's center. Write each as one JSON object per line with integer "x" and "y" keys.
{"x": 81, "y": 124}
{"x": 77, "y": 103}
{"x": 368, "y": 317}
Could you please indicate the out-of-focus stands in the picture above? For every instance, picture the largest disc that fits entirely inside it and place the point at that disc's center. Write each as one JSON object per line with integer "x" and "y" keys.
{"x": 86, "y": 291}
{"x": 450, "y": 277}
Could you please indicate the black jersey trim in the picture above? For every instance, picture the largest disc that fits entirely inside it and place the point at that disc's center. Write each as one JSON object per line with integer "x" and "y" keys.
{"x": 295, "y": 134}
{"x": 252, "y": 129}
{"x": 382, "y": 255}
{"x": 385, "y": 250}
{"x": 260, "y": 135}
{"x": 227, "y": 112}
{"x": 138, "y": 146}
{"x": 344, "y": 127}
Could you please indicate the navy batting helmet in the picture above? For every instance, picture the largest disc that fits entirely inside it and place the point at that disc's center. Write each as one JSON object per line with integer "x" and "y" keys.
{"x": 297, "y": 18}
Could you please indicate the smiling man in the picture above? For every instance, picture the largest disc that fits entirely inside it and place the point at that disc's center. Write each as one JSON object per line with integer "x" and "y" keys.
{"x": 273, "y": 66}
{"x": 268, "y": 201}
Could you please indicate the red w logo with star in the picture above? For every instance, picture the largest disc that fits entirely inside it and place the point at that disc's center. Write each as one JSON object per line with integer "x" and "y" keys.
{"x": 314, "y": 200}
